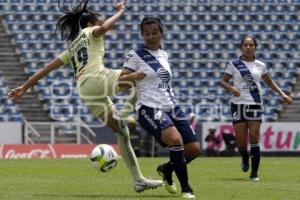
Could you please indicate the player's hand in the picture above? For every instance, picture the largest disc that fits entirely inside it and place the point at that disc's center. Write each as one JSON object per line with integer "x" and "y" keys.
{"x": 139, "y": 75}
{"x": 286, "y": 99}
{"x": 16, "y": 93}
{"x": 121, "y": 6}
{"x": 235, "y": 91}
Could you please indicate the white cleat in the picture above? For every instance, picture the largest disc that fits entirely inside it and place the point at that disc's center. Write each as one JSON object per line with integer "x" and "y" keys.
{"x": 188, "y": 195}
{"x": 146, "y": 184}
{"x": 254, "y": 179}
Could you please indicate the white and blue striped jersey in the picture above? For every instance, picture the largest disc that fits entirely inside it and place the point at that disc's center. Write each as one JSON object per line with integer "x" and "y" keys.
{"x": 246, "y": 77}
{"x": 155, "y": 89}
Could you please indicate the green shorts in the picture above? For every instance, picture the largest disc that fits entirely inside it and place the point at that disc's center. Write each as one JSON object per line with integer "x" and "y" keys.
{"x": 95, "y": 92}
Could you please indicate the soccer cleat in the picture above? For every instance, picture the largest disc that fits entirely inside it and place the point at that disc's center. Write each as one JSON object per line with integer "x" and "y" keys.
{"x": 145, "y": 184}
{"x": 188, "y": 195}
{"x": 254, "y": 177}
{"x": 245, "y": 167}
{"x": 168, "y": 182}
{"x": 170, "y": 188}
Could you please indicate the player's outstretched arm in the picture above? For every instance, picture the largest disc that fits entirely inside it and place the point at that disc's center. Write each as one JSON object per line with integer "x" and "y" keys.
{"x": 268, "y": 80}
{"x": 110, "y": 22}
{"x": 16, "y": 93}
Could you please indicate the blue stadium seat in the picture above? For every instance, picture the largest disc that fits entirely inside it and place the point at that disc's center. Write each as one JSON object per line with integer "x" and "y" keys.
{"x": 200, "y": 38}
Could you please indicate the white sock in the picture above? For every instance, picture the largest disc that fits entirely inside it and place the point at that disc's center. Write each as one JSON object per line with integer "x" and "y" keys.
{"x": 126, "y": 150}
{"x": 129, "y": 157}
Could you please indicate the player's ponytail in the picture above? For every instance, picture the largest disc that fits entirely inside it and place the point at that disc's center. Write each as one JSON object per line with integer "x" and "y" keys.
{"x": 72, "y": 21}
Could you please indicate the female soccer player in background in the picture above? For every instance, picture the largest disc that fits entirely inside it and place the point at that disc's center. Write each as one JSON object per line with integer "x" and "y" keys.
{"x": 158, "y": 112}
{"x": 246, "y": 103}
{"x": 84, "y": 31}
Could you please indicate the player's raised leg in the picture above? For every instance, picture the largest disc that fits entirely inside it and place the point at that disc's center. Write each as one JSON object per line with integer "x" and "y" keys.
{"x": 119, "y": 125}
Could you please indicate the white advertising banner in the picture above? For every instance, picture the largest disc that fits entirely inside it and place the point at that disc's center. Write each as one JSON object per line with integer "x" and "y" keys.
{"x": 10, "y": 133}
{"x": 274, "y": 136}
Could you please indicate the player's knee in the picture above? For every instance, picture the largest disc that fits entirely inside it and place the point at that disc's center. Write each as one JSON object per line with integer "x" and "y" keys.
{"x": 196, "y": 151}
{"x": 192, "y": 149}
{"x": 173, "y": 140}
{"x": 254, "y": 138}
{"x": 171, "y": 136}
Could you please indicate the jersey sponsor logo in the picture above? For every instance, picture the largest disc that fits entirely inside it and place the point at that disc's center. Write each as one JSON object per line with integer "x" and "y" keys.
{"x": 163, "y": 74}
{"x": 248, "y": 79}
{"x": 163, "y": 86}
{"x": 152, "y": 62}
{"x": 250, "y": 84}
{"x": 147, "y": 56}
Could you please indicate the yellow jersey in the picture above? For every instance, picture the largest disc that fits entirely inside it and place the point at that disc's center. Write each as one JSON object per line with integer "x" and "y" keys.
{"x": 86, "y": 54}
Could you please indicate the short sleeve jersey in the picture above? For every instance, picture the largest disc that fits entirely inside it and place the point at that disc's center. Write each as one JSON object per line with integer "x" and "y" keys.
{"x": 155, "y": 89}
{"x": 86, "y": 54}
{"x": 246, "y": 78}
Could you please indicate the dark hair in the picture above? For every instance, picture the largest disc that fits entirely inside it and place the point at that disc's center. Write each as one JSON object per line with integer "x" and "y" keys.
{"x": 72, "y": 21}
{"x": 152, "y": 20}
{"x": 249, "y": 36}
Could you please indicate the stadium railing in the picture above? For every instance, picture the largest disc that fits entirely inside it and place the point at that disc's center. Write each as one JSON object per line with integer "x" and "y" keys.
{"x": 55, "y": 132}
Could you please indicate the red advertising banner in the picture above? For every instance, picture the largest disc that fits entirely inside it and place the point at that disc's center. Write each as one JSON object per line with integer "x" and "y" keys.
{"x": 17, "y": 151}
{"x": 274, "y": 136}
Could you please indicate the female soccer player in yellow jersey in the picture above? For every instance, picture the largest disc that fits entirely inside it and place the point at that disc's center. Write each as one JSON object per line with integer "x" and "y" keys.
{"x": 84, "y": 31}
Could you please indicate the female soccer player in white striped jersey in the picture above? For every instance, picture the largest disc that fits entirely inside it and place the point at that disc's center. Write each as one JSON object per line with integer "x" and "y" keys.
{"x": 246, "y": 102}
{"x": 158, "y": 112}
{"x": 84, "y": 31}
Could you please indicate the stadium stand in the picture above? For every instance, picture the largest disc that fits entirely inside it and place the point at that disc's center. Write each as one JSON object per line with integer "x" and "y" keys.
{"x": 12, "y": 70}
{"x": 292, "y": 112}
{"x": 8, "y": 110}
{"x": 201, "y": 37}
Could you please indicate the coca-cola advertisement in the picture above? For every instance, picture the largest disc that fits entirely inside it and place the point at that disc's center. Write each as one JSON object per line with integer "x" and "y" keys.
{"x": 27, "y": 151}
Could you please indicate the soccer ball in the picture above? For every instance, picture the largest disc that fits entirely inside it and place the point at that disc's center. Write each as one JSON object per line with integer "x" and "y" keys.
{"x": 104, "y": 157}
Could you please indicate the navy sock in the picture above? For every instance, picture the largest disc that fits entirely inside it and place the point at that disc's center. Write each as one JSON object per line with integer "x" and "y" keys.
{"x": 255, "y": 157}
{"x": 188, "y": 159}
{"x": 179, "y": 164}
{"x": 169, "y": 168}
{"x": 245, "y": 156}
{"x": 169, "y": 165}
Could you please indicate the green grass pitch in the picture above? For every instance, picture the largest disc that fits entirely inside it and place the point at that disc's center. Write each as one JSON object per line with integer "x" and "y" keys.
{"x": 211, "y": 179}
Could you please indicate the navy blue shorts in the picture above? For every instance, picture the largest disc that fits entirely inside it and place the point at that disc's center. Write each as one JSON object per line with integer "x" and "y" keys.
{"x": 244, "y": 112}
{"x": 154, "y": 120}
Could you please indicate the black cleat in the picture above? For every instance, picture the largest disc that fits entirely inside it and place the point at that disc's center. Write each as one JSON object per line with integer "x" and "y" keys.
{"x": 245, "y": 165}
